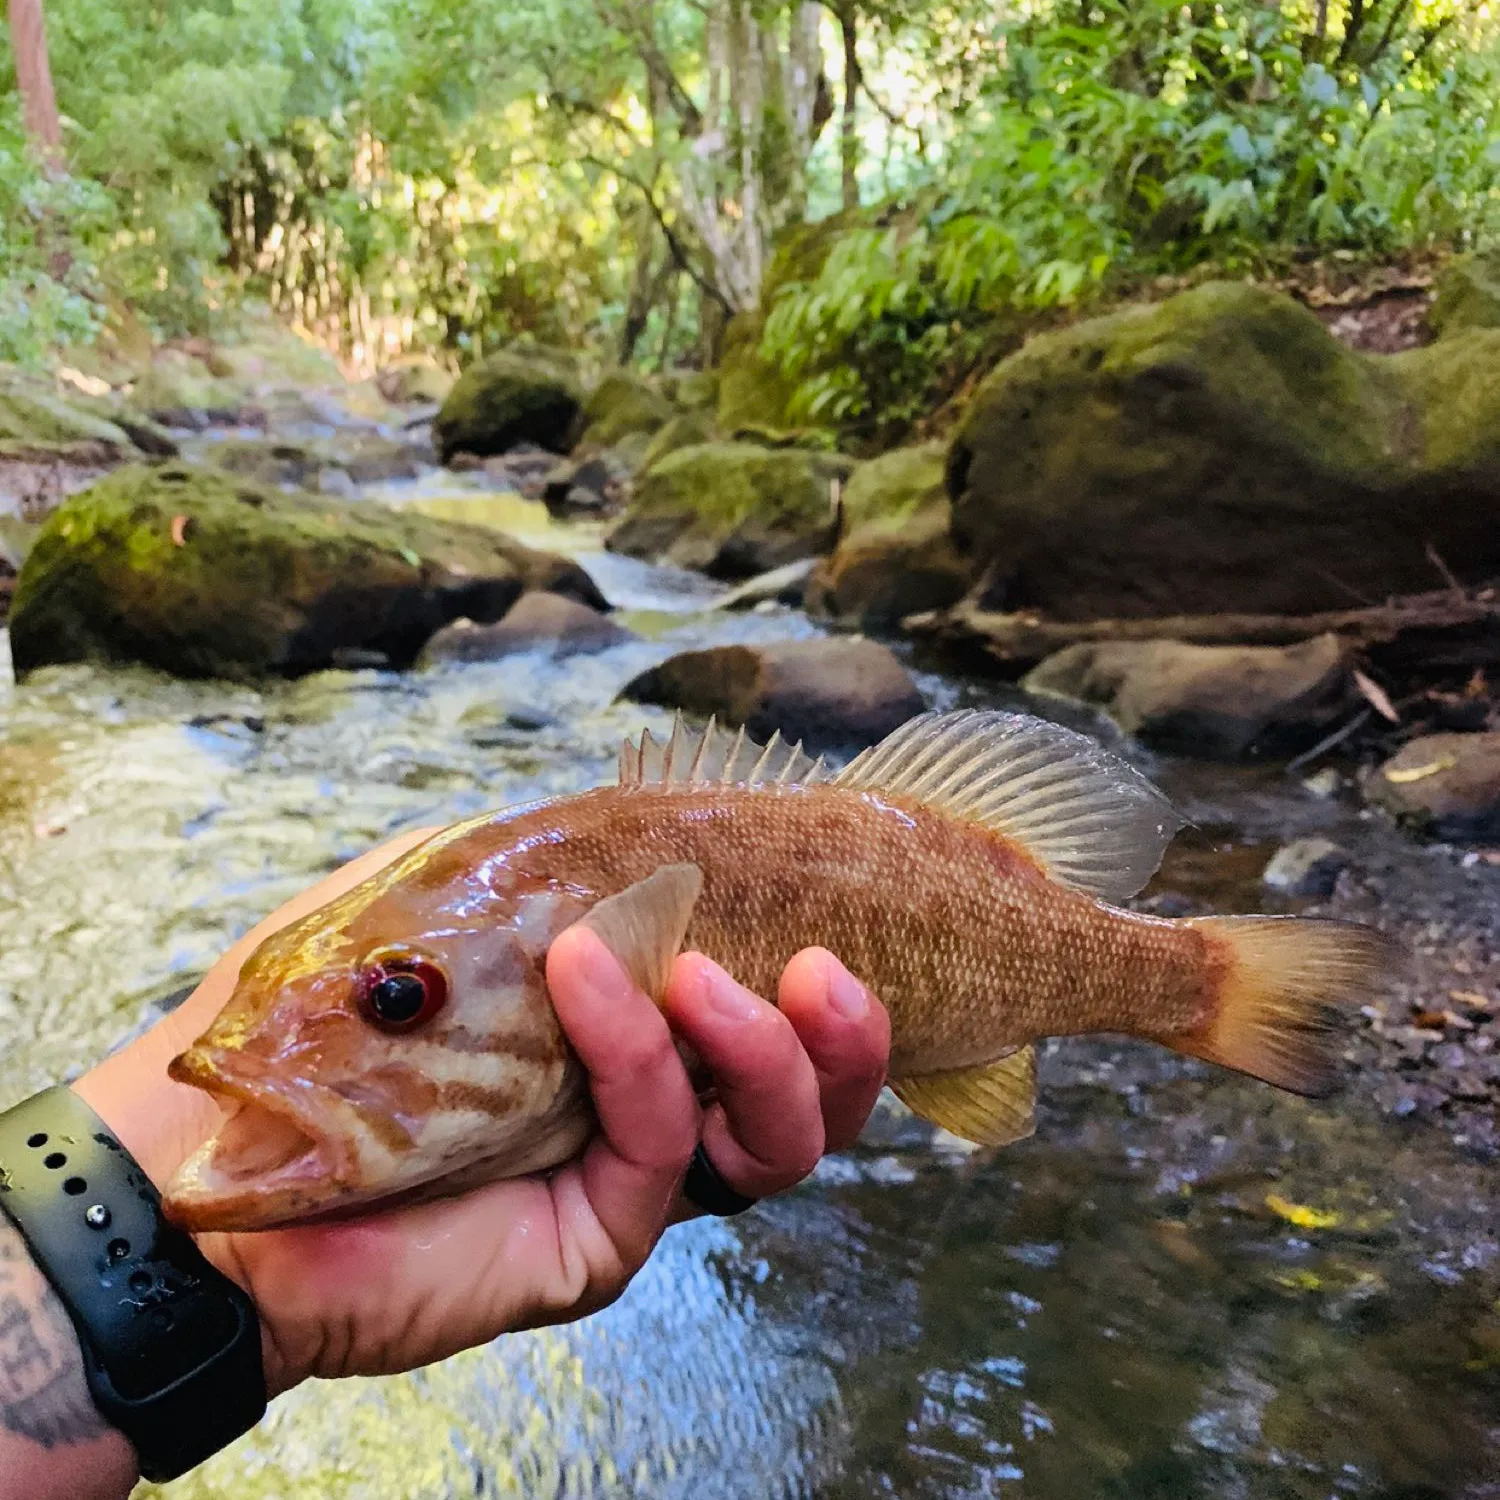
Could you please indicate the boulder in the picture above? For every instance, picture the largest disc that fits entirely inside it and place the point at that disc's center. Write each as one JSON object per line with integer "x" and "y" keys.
{"x": 594, "y": 486}
{"x": 1444, "y": 784}
{"x": 621, "y": 404}
{"x": 1306, "y": 867}
{"x": 535, "y": 622}
{"x": 896, "y": 556}
{"x": 33, "y": 414}
{"x": 840, "y": 692}
{"x": 1205, "y": 700}
{"x": 205, "y": 575}
{"x": 190, "y": 390}
{"x": 1467, "y": 294}
{"x": 1222, "y": 452}
{"x": 414, "y": 381}
{"x": 526, "y": 395}
{"x": 686, "y": 431}
{"x": 732, "y": 509}
{"x": 691, "y": 390}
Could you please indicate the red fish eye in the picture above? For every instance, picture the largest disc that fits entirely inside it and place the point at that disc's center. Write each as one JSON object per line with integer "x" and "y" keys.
{"x": 399, "y": 991}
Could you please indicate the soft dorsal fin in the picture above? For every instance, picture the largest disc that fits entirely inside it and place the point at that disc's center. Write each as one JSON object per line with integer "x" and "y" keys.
{"x": 717, "y": 756}
{"x": 644, "y": 925}
{"x": 991, "y": 1105}
{"x": 1089, "y": 819}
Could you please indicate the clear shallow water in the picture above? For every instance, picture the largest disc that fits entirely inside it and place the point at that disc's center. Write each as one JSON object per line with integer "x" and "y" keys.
{"x": 1111, "y": 1309}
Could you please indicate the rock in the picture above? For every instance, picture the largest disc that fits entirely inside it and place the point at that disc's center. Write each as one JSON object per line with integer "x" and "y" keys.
{"x": 414, "y": 381}
{"x": 203, "y": 575}
{"x": 518, "y": 396}
{"x": 1205, "y": 700}
{"x": 536, "y": 621}
{"x": 782, "y": 585}
{"x": 1444, "y": 784}
{"x": 686, "y": 431}
{"x": 1222, "y": 452}
{"x": 1306, "y": 867}
{"x": 354, "y": 459}
{"x": 621, "y": 404}
{"x": 1325, "y": 785}
{"x": 594, "y": 486}
{"x": 189, "y": 391}
{"x": 732, "y": 509}
{"x": 844, "y": 691}
{"x": 896, "y": 556}
{"x": 691, "y": 390}
{"x": 1467, "y": 294}
{"x": 33, "y": 413}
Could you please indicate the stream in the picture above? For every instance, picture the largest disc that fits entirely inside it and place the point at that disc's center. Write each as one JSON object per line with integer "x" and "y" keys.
{"x": 1185, "y": 1285}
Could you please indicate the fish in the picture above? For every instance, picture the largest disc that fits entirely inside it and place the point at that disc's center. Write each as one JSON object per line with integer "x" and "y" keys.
{"x": 399, "y": 1043}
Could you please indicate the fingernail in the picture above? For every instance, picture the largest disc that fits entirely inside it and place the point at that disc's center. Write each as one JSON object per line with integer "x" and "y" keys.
{"x": 730, "y": 1000}
{"x": 848, "y": 997}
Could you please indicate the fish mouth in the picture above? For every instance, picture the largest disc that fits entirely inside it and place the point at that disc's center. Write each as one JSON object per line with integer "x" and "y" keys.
{"x": 274, "y": 1158}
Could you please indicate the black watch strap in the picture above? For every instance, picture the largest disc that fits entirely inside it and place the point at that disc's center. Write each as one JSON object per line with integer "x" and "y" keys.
{"x": 171, "y": 1347}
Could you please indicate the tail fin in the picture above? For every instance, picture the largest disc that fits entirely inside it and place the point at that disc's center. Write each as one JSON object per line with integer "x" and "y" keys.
{"x": 1283, "y": 982}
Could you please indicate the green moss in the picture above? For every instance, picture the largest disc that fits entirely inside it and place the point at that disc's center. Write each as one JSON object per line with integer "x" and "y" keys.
{"x": 32, "y": 412}
{"x": 887, "y": 492}
{"x": 686, "y": 431}
{"x": 262, "y": 581}
{"x": 622, "y": 404}
{"x": 732, "y": 508}
{"x": 1467, "y": 294}
{"x": 531, "y": 396}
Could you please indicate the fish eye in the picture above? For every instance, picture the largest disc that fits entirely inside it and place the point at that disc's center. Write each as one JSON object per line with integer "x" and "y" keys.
{"x": 399, "y": 991}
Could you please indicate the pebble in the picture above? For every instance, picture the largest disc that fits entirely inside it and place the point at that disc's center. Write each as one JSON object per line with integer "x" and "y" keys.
{"x": 1306, "y": 867}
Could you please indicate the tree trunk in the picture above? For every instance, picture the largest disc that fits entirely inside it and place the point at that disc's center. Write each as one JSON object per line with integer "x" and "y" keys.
{"x": 848, "y": 125}
{"x": 28, "y": 40}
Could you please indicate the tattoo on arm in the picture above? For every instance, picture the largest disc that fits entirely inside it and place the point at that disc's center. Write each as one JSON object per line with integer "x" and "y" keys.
{"x": 43, "y": 1394}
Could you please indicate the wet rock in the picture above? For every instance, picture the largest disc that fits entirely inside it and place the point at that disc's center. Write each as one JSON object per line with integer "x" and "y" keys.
{"x": 1325, "y": 785}
{"x": 1222, "y": 452}
{"x": 591, "y": 487}
{"x": 1467, "y": 294}
{"x": 415, "y": 381}
{"x": 522, "y": 395}
{"x": 1444, "y": 784}
{"x": 843, "y": 692}
{"x": 535, "y": 622}
{"x": 205, "y": 575}
{"x": 732, "y": 509}
{"x": 1222, "y": 701}
{"x": 621, "y": 404}
{"x": 896, "y": 556}
{"x": 1306, "y": 867}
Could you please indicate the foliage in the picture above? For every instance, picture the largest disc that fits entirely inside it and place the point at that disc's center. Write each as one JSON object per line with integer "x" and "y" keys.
{"x": 1123, "y": 139}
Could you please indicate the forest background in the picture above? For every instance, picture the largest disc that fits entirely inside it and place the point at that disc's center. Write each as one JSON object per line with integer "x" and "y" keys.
{"x": 626, "y": 177}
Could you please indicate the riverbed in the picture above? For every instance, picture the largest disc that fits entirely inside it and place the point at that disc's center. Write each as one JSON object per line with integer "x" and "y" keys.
{"x": 1185, "y": 1285}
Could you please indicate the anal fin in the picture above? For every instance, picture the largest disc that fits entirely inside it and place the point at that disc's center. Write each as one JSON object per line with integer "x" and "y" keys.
{"x": 992, "y": 1105}
{"x": 644, "y": 925}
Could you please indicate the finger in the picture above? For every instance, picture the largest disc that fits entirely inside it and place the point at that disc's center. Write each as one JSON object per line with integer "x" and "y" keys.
{"x": 648, "y": 1113}
{"x": 765, "y": 1133}
{"x": 846, "y": 1033}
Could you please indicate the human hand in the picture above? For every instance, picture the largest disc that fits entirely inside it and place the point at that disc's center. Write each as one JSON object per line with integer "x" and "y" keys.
{"x": 402, "y": 1287}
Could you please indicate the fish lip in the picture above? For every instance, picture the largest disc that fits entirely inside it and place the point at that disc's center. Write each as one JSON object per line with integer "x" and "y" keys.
{"x": 231, "y": 1077}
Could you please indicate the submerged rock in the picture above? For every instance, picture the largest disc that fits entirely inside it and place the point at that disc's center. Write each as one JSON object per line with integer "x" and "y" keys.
{"x": 732, "y": 509}
{"x": 828, "y": 692}
{"x": 521, "y": 395}
{"x": 204, "y": 575}
{"x": 1443, "y": 784}
{"x": 1306, "y": 867}
{"x": 535, "y": 622}
{"x": 1222, "y": 452}
{"x": 896, "y": 556}
{"x": 1205, "y": 700}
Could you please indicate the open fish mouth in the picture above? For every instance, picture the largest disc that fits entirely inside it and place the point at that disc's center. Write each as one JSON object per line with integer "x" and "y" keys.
{"x": 275, "y": 1155}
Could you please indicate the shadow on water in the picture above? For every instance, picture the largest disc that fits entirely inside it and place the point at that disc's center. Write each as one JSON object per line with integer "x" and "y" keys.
{"x": 1184, "y": 1286}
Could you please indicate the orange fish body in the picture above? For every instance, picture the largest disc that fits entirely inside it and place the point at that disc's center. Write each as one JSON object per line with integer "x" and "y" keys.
{"x": 400, "y": 1040}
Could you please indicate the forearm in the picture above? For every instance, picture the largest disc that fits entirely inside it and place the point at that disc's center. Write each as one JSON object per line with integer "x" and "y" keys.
{"x": 53, "y": 1442}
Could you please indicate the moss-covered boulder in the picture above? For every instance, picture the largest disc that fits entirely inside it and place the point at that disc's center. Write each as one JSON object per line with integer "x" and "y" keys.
{"x": 190, "y": 390}
{"x": 35, "y": 414}
{"x": 685, "y": 431}
{"x": 622, "y": 405}
{"x": 1467, "y": 294}
{"x": 205, "y": 575}
{"x": 1221, "y": 451}
{"x": 732, "y": 509}
{"x": 895, "y": 556}
{"x": 530, "y": 395}
{"x": 414, "y": 381}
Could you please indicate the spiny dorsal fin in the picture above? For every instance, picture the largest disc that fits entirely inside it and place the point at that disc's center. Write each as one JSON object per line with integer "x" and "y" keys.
{"x": 1089, "y": 819}
{"x": 644, "y": 925}
{"x": 991, "y": 1105}
{"x": 715, "y": 756}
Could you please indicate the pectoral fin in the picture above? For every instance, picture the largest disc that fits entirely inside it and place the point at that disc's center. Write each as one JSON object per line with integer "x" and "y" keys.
{"x": 992, "y": 1106}
{"x": 644, "y": 925}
